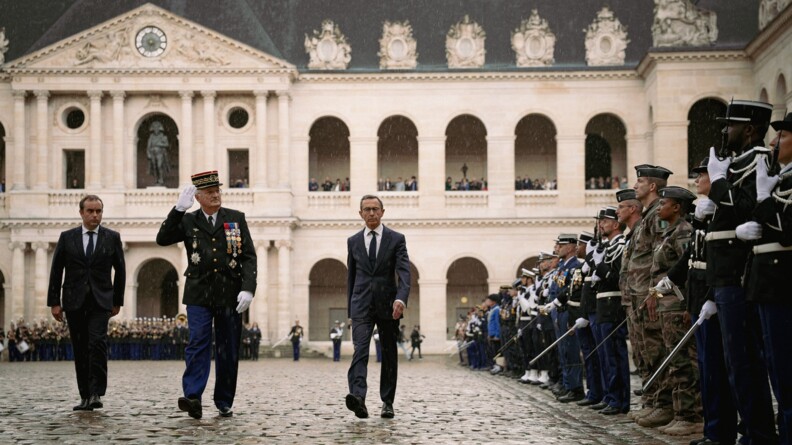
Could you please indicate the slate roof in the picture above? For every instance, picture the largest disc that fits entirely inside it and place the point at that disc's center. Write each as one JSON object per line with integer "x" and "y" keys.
{"x": 278, "y": 27}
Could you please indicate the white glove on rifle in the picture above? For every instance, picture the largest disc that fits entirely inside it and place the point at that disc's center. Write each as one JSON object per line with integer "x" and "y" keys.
{"x": 581, "y": 323}
{"x": 595, "y": 278}
{"x": 186, "y": 199}
{"x": 244, "y": 298}
{"x": 717, "y": 169}
{"x": 586, "y": 268}
{"x": 590, "y": 246}
{"x": 598, "y": 256}
{"x": 548, "y": 307}
{"x": 519, "y": 332}
{"x": 665, "y": 286}
{"x": 749, "y": 231}
{"x": 704, "y": 207}
{"x": 546, "y": 292}
{"x": 764, "y": 184}
{"x": 708, "y": 310}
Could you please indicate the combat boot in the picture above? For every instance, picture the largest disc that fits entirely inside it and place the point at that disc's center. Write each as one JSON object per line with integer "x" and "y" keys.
{"x": 684, "y": 428}
{"x": 668, "y": 425}
{"x": 645, "y": 411}
{"x": 658, "y": 417}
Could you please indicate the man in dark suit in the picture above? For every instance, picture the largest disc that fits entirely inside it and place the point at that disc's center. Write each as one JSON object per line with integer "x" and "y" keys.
{"x": 221, "y": 281}
{"x": 376, "y": 256}
{"x": 90, "y": 295}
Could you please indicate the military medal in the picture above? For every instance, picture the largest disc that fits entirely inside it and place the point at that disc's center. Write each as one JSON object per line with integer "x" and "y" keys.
{"x": 195, "y": 239}
{"x": 233, "y": 242}
{"x": 195, "y": 258}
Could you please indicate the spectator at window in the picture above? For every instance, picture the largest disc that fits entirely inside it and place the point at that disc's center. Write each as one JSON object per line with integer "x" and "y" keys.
{"x": 380, "y": 185}
{"x": 518, "y": 184}
{"x": 345, "y": 185}
{"x": 327, "y": 185}
{"x": 337, "y": 185}
{"x": 75, "y": 184}
{"x": 388, "y": 185}
{"x": 449, "y": 185}
{"x": 399, "y": 185}
{"x": 615, "y": 183}
{"x": 527, "y": 184}
{"x": 411, "y": 184}
{"x": 313, "y": 186}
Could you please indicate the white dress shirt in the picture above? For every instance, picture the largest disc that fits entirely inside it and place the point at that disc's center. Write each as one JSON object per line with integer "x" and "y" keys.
{"x": 213, "y": 215}
{"x": 85, "y": 238}
{"x": 367, "y": 241}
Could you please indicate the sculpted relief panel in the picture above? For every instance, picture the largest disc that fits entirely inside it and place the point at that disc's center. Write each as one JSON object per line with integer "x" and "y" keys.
{"x": 397, "y": 46}
{"x": 769, "y": 9}
{"x": 680, "y": 23}
{"x": 3, "y": 45}
{"x": 606, "y": 40}
{"x": 533, "y": 42}
{"x": 328, "y": 48}
{"x": 465, "y": 45}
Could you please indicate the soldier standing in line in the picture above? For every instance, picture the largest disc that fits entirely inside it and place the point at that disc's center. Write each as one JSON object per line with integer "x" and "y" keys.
{"x": 733, "y": 189}
{"x": 525, "y": 315}
{"x": 646, "y": 238}
{"x": 545, "y": 325}
{"x": 295, "y": 336}
{"x": 255, "y": 341}
{"x": 336, "y": 332}
{"x": 768, "y": 286}
{"x": 678, "y": 385}
{"x": 630, "y": 211}
{"x": 508, "y": 331}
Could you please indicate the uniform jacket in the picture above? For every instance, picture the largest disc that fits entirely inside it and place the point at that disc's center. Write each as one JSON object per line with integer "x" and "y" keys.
{"x": 87, "y": 275}
{"x": 610, "y": 309}
{"x": 493, "y": 322}
{"x": 675, "y": 240}
{"x": 643, "y": 242}
{"x": 376, "y": 285}
{"x": 214, "y": 276}
{"x": 694, "y": 279}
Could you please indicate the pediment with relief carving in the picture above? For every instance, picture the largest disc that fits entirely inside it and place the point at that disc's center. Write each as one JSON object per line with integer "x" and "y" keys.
{"x": 148, "y": 38}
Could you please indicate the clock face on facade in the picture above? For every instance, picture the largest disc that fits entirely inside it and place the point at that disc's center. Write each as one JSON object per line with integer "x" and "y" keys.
{"x": 151, "y": 41}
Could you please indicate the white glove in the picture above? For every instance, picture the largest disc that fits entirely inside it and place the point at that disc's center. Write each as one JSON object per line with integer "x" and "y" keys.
{"x": 598, "y": 256}
{"x": 519, "y": 332}
{"x": 665, "y": 286}
{"x": 244, "y": 298}
{"x": 704, "y": 207}
{"x": 708, "y": 310}
{"x": 548, "y": 307}
{"x": 764, "y": 184}
{"x": 581, "y": 323}
{"x": 186, "y": 199}
{"x": 590, "y": 246}
{"x": 546, "y": 292}
{"x": 749, "y": 231}
{"x": 595, "y": 278}
{"x": 715, "y": 168}
{"x": 586, "y": 268}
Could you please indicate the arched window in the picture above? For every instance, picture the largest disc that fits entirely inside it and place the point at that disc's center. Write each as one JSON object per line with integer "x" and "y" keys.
{"x": 327, "y": 299}
{"x": 328, "y": 155}
{"x": 703, "y": 130}
{"x": 606, "y": 152}
{"x": 535, "y": 153}
{"x": 157, "y": 289}
{"x": 466, "y": 286}
{"x": 466, "y": 153}
{"x": 397, "y": 155}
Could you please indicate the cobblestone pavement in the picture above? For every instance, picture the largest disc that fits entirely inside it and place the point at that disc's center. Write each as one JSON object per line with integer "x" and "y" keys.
{"x": 281, "y": 401}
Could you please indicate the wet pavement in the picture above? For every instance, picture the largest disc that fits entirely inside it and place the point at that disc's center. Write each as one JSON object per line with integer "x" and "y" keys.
{"x": 282, "y": 401}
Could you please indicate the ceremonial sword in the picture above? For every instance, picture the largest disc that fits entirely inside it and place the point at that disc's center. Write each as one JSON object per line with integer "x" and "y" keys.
{"x": 572, "y": 329}
{"x": 515, "y": 337}
{"x": 667, "y": 361}
{"x": 617, "y": 327}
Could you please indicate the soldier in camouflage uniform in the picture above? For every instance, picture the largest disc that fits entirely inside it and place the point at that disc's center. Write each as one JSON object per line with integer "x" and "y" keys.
{"x": 677, "y": 392}
{"x": 628, "y": 212}
{"x": 647, "y": 237}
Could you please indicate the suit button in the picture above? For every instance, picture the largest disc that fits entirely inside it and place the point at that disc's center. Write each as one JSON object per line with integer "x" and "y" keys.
{"x": 215, "y": 270}
{"x": 731, "y": 242}
{"x": 215, "y": 260}
{"x": 775, "y": 261}
{"x": 189, "y": 274}
{"x": 214, "y": 239}
{"x": 214, "y": 250}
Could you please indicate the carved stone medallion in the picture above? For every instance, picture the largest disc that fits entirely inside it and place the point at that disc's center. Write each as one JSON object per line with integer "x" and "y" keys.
{"x": 465, "y": 45}
{"x": 328, "y": 48}
{"x": 533, "y": 42}
{"x": 680, "y": 23}
{"x": 397, "y": 46}
{"x": 606, "y": 40}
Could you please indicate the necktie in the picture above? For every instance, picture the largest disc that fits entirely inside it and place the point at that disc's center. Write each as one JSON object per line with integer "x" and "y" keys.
{"x": 373, "y": 248}
{"x": 89, "y": 250}
{"x": 211, "y": 222}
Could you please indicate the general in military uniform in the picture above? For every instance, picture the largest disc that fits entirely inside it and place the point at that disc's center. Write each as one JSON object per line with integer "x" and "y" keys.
{"x": 221, "y": 281}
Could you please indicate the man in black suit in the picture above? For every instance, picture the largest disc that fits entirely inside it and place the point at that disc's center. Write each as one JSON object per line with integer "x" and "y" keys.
{"x": 376, "y": 256}
{"x": 90, "y": 295}
{"x": 221, "y": 281}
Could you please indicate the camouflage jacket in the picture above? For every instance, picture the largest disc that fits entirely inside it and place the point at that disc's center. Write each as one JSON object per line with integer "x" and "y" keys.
{"x": 673, "y": 244}
{"x": 642, "y": 245}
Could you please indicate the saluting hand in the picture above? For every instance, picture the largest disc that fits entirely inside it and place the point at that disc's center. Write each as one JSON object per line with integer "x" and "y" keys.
{"x": 186, "y": 199}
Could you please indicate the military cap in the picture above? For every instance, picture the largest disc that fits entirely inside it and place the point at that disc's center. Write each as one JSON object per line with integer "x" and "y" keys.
{"x": 652, "y": 171}
{"x": 607, "y": 213}
{"x": 206, "y": 179}
{"x": 585, "y": 237}
{"x": 515, "y": 283}
{"x": 680, "y": 194}
{"x": 566, "y": 238}
{"x": 535, "y": 270}
{"x": 625, "y": 195}
{"x": 785, "y": 125}
{"x": 546, "y": 256}
{"x": 506, "y": 286}
{"x": 527, "y": 273}
{"x": 494, "y": 297}
{"x": 748, "y": 111}
{"x": 702, "y": 167}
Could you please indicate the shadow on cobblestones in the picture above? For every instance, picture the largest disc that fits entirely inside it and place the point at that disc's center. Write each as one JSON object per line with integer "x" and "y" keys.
{"x": 281, "y": 401}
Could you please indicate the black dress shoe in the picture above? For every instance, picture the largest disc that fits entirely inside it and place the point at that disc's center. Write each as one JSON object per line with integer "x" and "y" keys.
{"x": 95, "y": 402}
{"x": 192, "y": 406}
{"x": 357, "y": 405}
{"x": 599, "y": 406}
{"x": 703, "y": 441}
{"x": 610, "y": 410}
{"x": 83, "y": 406}
{"x": 638, "y": 392}
{"x": 387, "y": 411}
{"x": 572, "y": 396}
{"x": 587, "y": 402}
{"x": 226, "y": 412}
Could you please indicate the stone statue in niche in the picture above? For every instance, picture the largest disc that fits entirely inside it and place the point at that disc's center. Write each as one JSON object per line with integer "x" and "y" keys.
{"x": 533, "y": 42}
{"x": 397, "y": 46}
{"x": 157, "y": 152}
{"x": 606, "y": 40}
{"x": 328, "y": 49}
{"x": 769, "y": 9}
{"x": 465, "y": 45}
{"x": 680, "y": 23}
{"x": 3, "y": 45}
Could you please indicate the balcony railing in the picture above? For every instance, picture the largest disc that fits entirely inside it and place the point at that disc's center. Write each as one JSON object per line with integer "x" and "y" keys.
{"x": 328, "y": 200}
{"x": 601, "y": 198}
{"x": 466, "y": 199}
{"x": 400, "y": 199}
{"x": 537, "y": 198}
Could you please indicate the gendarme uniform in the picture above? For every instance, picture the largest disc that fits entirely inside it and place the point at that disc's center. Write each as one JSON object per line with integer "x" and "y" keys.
{"x": 526, "y": 316}
{"x": 581, "y": 305}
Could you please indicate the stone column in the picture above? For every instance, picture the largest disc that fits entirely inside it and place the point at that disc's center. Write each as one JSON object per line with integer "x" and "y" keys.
{"x": 433, "y": 312}
{"x": 260, "y": 311}
{"x": 16, "y": 309}
{"x": 129, "y": 311}
{"x": 20, "y": 150}
{"x": 93, "y": 171}
{"x": 208, "y": 155}
{"x": 500, "y": 172}
{"x": 362, "y": 152}
{"x": 671, "y": 136}
{"x": 42, "y": 139}
{"x": 284, "y": 286}
{"x": 118, "y": 161}
{"x": 283, "y": 139}
{"x": 431, "y": 172}
{"x": 41, "y": 277}
{"x": 571, "y": 170}
{"x": 186, "y": 138}
{"x": 259, "y": 153}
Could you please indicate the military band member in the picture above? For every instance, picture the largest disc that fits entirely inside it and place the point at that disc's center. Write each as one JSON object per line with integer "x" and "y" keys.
{"x": 768, "y": 282}
{"x": 733, "y": 190}
{"x": 221, "y": 281}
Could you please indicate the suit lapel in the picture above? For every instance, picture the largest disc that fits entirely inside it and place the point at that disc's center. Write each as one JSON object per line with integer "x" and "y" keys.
{"x": 78, "y": 243}
{"x": 361, "y": 241}
{"x": 386, "y": 236}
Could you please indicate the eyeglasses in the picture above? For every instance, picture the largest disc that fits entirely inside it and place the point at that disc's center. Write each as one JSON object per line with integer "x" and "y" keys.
{"x": 370, "y": 209}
